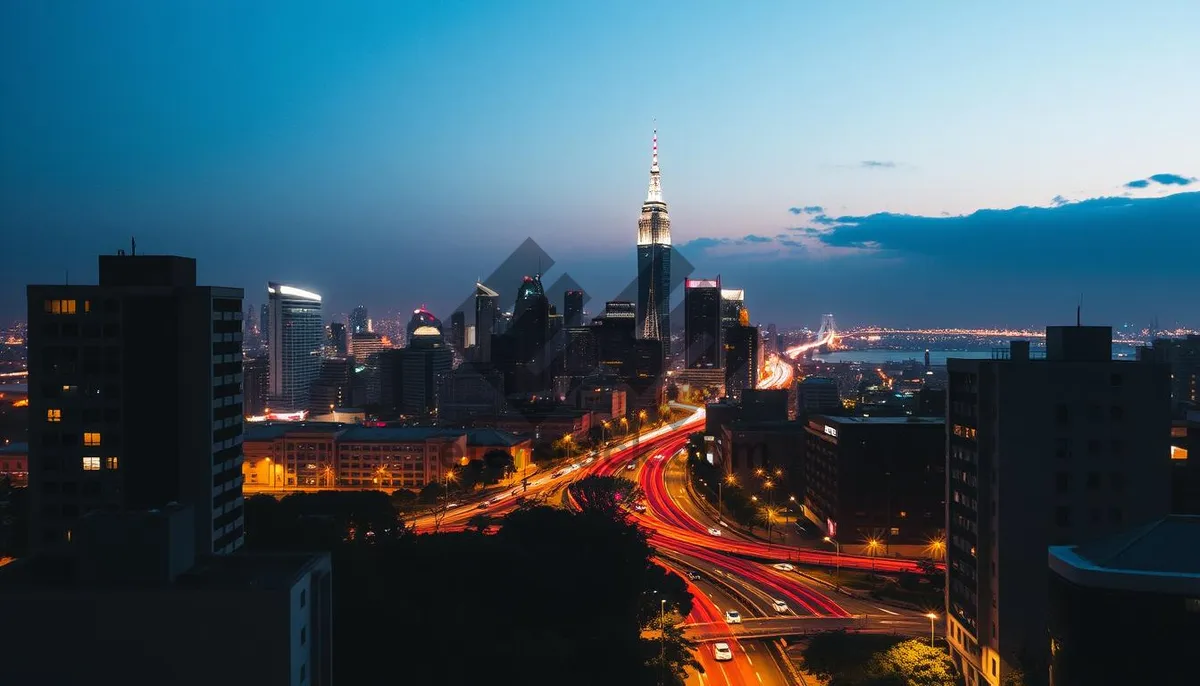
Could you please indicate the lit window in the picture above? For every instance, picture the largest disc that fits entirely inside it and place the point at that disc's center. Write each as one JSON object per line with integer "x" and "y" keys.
{"x": 110, "y": 463}
{"x": 91, "y": 438}
{"x": 87, "y": 305}
{"x": 60, "y": 306}
{"x": 54, "y": 415}
{"x": 91, "y": 464}
{"x": 70, "y": 389}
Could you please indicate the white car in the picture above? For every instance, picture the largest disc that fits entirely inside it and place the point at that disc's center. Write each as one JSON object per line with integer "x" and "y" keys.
{"x": 714, "y": 532}
{"x": 631, "y": 465}
{"x": 639, "y": 507}
{"x": 733, "y": 617}
{"x": 779, "y": 606}
{"x": 721, "y": 652}
{"x": 784, "y": 567}
{"x": 658, "y": 456}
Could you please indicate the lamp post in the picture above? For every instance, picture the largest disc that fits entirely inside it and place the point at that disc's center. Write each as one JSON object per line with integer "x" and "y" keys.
{"x": 932, "y": 618}
{"x": 568, "y": 439}
{"x": 873, "y": 549}
{"x": 662, "y": 638}
{"x": 837, "y": 556}
{"x": 732, "y": 480}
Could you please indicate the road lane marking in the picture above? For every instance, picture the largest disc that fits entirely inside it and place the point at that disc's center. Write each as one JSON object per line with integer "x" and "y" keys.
{"x": 894, "y": 614}
{"x": 759, "y": 677}
{"x": 748, "y": 658}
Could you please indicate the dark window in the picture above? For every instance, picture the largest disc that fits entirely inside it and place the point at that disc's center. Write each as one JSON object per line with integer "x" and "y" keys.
{"x": 1062, "y": 414}
{"x": 1093, "y": 447}
{"x": 1062, "y": 516}
{"x": 1116, "y": 380}
{"x": 303, "y": 597}
{"x": 1095, "y": 413}
{"x": 1115, "y": 515}
{"x": 1118, "y": 482}
{"x": 1093, "y": 480}
{"x": 1062, "y": 448}
{"x": 1062, "y": 482}
{"x": 1118, "y": 447}
{"x": 1117, "y": 413}
{"x": 111, "y": 330}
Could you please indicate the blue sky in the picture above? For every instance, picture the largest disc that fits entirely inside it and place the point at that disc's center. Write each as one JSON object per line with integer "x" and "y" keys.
{"x": 389, "y": 152}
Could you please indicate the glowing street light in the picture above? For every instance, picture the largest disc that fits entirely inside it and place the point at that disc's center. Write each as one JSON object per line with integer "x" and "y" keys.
{"x": 932, "y": 618}
{"x": 837, "y": 556}
{"x": 873, "y": 546}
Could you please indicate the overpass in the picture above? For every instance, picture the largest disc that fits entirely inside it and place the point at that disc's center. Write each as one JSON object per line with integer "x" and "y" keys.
{"x": 799, "y": 625}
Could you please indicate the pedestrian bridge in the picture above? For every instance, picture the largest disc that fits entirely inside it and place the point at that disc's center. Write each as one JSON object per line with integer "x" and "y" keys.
{"x": 796, "y": 625}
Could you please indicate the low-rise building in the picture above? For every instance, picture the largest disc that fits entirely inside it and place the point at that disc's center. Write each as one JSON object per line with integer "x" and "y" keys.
{"x": 136, "y": 605}
{"x": 14, "y": 463}
{"x": 316, "y": 455}
{"x": 1126, "y": 609}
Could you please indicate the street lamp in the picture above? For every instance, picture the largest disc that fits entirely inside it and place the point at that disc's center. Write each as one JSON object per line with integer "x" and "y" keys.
{"x": 932, "y": 618}
{"x": 872, "y": 549}
{"x": 662, "y": 636}
{"x": 837, "y": 556}
{"x": 568, "y": 439}
{"x": 937, "y": 548}
{"x": 728, "y": 479}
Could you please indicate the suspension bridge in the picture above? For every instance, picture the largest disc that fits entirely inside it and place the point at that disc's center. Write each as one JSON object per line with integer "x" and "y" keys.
{"x": 826, "y": 335}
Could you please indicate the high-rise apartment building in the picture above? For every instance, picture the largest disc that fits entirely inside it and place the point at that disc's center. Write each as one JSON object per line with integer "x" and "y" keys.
{"x": 424, "y": 362}
{"x": 338, "y": 346}
{"x": 741, "y": 359}
{"x": 1041, "y": 452}
{"x": 458, "y": 330}
{"x": 296, "y": 336}
{"x": 135, "y": 399}
{"x": 654, "y": 259}
{"x": 255, "y": 386}
{"x": 702, "y": 323}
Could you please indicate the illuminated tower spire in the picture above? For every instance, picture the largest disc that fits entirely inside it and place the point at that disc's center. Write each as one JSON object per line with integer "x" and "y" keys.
{"x": 654, "y": 193}
{"x": 650, "y": 323}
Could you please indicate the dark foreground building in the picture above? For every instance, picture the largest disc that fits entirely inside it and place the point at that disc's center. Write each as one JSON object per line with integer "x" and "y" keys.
{"x": 1126, "y": 610}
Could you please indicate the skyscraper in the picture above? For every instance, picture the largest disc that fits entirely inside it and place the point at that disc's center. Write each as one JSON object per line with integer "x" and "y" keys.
{"x": 654, "y": 259}
{"x": 337, "y": 339}
{"x": 702, "y": 323}
{"x": 359, "y": 323}
{"x": 421, "y": 318}
{"x": 487, "y": 311}
{"x": 296, "y": 337}
{"x": 741, "y": 359}
{"x": 135, "y": 399}
{"x": 573, "y": 309}
{"x": 458, "y": 331}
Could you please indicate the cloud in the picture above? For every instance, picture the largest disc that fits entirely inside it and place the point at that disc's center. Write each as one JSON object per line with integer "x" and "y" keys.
{"x": 1059, "y": 201}
{"x": 876, "y": 164}
{"x": 1172, "y": 179}
{"x": 810, "y": 209}
{"x": 757, "y": 239}
{"x": 1162, "y": 179}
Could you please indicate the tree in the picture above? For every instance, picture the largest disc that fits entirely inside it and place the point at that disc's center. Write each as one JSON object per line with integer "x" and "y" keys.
{"x": 843, "y": 659}
{"x": 607, "y": 496}
{"x": 497, "y": 466}
{"x": 663, "y": 584}
{"x": 917, "y": 663}
{"x": 481, "y": 522}
{"x": 431, "y": 493}
{"x": 670, "y": 654}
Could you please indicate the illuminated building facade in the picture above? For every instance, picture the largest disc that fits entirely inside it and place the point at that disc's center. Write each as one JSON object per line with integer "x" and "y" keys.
{"x": 654, "y": 259}
{"x": 359, "y": 321}
{"x": 1042, "y": 451}
{"x": 283, "y": 456}
{"x": 297, "y": 335}
{"x": 421, "y": 318}
{"x": 135, "y": 399}
{"x": 487, "y": 315}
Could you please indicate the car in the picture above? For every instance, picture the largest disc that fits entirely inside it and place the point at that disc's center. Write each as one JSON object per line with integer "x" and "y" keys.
{"x": 733, "y": 617}
{"x": 481, "y": 506}
{"x": 721, "y": 652}
{"x": 784, "y": 567}
{"x": 450, "y": 506}
{"x": 714, "y": 531}
{"x": 694, "y": 576}
{"x": 516, "y": 491}
{"x": 631, "y": 465}
{"x": 779, "y": 606}
{"x": 639, "y": 507}
{"x": 658, "y": 456}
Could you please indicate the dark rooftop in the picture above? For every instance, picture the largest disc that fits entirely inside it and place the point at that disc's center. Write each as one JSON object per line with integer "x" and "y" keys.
{"x": 243, "y": 571}
{"x": 1170, "y": 545}
{"x": 881, "y": 420}
{"x": 14, "y": 449}
{"x": 268, "y": 431}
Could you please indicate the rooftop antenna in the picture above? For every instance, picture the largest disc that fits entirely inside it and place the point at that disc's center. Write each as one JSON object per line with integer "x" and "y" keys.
{"x": 132, "y": 245}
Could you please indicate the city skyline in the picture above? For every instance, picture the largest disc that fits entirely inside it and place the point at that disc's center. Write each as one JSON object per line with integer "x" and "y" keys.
{"x": 844, "y": 156}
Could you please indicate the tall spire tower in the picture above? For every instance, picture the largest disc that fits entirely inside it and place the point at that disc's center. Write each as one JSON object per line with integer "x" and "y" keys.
{"x": 654, "y": 258}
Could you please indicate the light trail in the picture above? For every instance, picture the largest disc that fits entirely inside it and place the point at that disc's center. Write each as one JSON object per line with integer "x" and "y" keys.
{"x": 798, "y": 350}
{"x": 776, "y": 373}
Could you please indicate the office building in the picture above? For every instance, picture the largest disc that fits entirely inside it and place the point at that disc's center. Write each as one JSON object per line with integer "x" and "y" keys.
{"x": 332, "y": 388}
{"x": 741, "y": 359}
{"x": 264, "y": 326}
{"x": 426, "y": 359}
{"x": 702, "y": 323}
{"x": 487, "y": 314}
{"x": 581, "y": 351}
{"x": 468, "y": 393}
{"x": 1058, "y": 450}
{"x": 338, "y": 345}
{"x": 364, "y": 346}
{"x": 654, "y": 259}
{"x": 876, "y": 478}
{"x": 359, "y": 322}
{"x": 1183, "y": 356}
{"x": 733, "y": 303}
{"x": 296, "y": 336}
{"x": 138, "y": 605}
{"x": 458, "y": 331}
{"x": 135, "y": 399}
{"x": 1126, "y": 609}
{"x": 421, "y": 318}
{"x": 255, "y": 386}
{"x": 573, "y": 309}
{"x": 817, "y": 394}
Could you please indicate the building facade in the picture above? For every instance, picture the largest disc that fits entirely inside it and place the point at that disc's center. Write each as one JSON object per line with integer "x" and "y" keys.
{"x": 296, "y": 335}
{"x": 135, "y": 398}
{"x": 1047, "y": 451}
{"x": 702, "y": 324}
{"x": 876, "y": 479}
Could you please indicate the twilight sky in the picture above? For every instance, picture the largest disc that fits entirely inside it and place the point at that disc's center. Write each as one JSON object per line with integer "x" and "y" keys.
{"x": 951, "y": 163}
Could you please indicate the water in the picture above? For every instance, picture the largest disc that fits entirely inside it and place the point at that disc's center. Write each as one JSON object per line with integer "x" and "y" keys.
{"x": 937, "y": 358}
